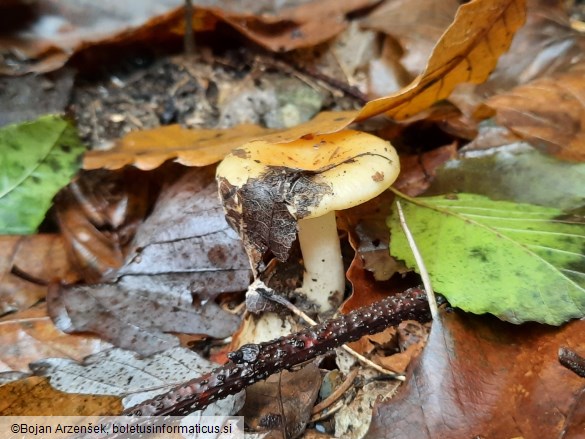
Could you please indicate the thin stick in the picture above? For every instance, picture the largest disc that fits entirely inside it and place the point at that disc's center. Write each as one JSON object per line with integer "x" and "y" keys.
{"x": 337, "y": 393}
{"x": 189, "y": 40}
{"x": 420, "y": 263}
{"x": 365, "y": 361}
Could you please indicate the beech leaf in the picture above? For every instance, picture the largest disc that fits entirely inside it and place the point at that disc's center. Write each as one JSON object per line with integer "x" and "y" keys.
{"x": 521, "y": 262}
{"x": 479, "y": 377}
{"x": 37, "y": 159}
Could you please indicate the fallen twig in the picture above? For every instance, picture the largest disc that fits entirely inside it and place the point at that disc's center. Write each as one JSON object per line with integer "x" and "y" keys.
{"x": 572, "y": 361}
{"x": 255, "y": 362}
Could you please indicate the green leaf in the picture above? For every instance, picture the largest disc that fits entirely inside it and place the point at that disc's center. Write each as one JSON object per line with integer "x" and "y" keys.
{"x": 36, "y": 159}
{"x": 521, "y": 262}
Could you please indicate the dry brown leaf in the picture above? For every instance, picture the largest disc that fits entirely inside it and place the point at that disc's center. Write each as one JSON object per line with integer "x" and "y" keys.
{"x": 416, "y": 24}
{"x": 27, "y": 265}
{"x": 467, "y": 52}
{"x": 59, "y": 29}
{"x": 30, "y": 336}
{"x": 548, "y": 112}
{"x": 417, "y": 171}
{"x": 283, "y": 402}
{"x": 149, "y": 149}
{"x": 98, "y": 214}
{"x": 305, "y": 25}
{"x": 45, "y": 46}
{"x": 34, "y": 396}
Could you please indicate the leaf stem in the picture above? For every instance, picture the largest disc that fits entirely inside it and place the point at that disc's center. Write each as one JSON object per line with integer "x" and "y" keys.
{"x": 424, "y": 274}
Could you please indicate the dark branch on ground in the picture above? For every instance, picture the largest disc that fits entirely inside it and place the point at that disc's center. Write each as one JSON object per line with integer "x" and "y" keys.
{"x": 252, "y": 363}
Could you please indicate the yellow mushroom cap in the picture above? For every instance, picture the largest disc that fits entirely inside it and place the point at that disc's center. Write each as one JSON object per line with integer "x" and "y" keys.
{"x": 332, "y": 171}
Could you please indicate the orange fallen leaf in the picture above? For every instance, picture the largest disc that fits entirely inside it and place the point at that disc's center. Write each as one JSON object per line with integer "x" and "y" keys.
{"x": 306, "y": 25}
{"x": 34, "y": 396}
{"x": 467, "y": 52}
{"x": 416, "y": 24}
{"x": 481, "y": 377}
{"x": 44, "y": 47}
{"x": 27, "y": 265}
{"x": 30, "y": 335}
{"x": 149, "y": 149}
{"x": 548, "y": 112}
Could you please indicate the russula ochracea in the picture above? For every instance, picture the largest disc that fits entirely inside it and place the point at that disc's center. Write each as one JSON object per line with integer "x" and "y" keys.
{"x": 271, "y": 192}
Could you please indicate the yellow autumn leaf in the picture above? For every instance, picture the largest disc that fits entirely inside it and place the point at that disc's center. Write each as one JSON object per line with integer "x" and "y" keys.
{"x": 468, "y": 51}
{"x": 149, "y": 149}
{"x": 34, "y": 396}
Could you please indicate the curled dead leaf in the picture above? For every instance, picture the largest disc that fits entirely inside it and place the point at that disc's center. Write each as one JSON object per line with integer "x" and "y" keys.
{"x": 548, "y": 112}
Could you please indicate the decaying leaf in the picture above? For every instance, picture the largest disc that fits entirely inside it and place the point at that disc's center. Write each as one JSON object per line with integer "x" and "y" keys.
{"x": 305, "y": 25}
{"x": 45, "y": 46}
{"x": 418, "y": 171}
{"x": 548, "y": 112}
{"x": 467, "y": 52}
{"x": 98, "y": 214}
{"x": 283, "y": 402}
{"x": 521, "y": 262}
{"x": 30, "y": 335}
{"x": 38, "y": 158}
{"x": 59, "y": 29}
{"x": 34, "y": 396}
{"x": 416, "y": 24}
{"x": 480, "y": 377}
{"x": 545, "y": 46}
{"x": 183, "y": 256}
{"x": 501, "y": 167}
{"x": 354, "y": 418}
{"x": 124, "y": 374}
{"x": 149, "y": 149}
{"x": 27, "y": 265}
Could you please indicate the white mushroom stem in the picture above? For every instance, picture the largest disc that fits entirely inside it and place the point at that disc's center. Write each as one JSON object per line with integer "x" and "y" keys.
{"x": 324, "y": 276}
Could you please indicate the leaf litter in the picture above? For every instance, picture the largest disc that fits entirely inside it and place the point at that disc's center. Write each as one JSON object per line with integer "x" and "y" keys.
{"x": 182, "y": 257}
{"x": 332, "y": 121}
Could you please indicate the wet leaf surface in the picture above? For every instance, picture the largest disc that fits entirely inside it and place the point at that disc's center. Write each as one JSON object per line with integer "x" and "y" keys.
{"x": 479, "y": 376}
{"x": 522, "y": 251}
{"x": 34, "y": 396}
{"x": 283, "y": 402}
{"x": 504, "y": 168}
{"x": 38, "y": 159}
{"x": 183, "y": 256}
{"x": 548, "y": 113}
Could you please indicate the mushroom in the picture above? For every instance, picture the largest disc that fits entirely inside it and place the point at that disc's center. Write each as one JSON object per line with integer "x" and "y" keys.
{"x": 272, "y": 191}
